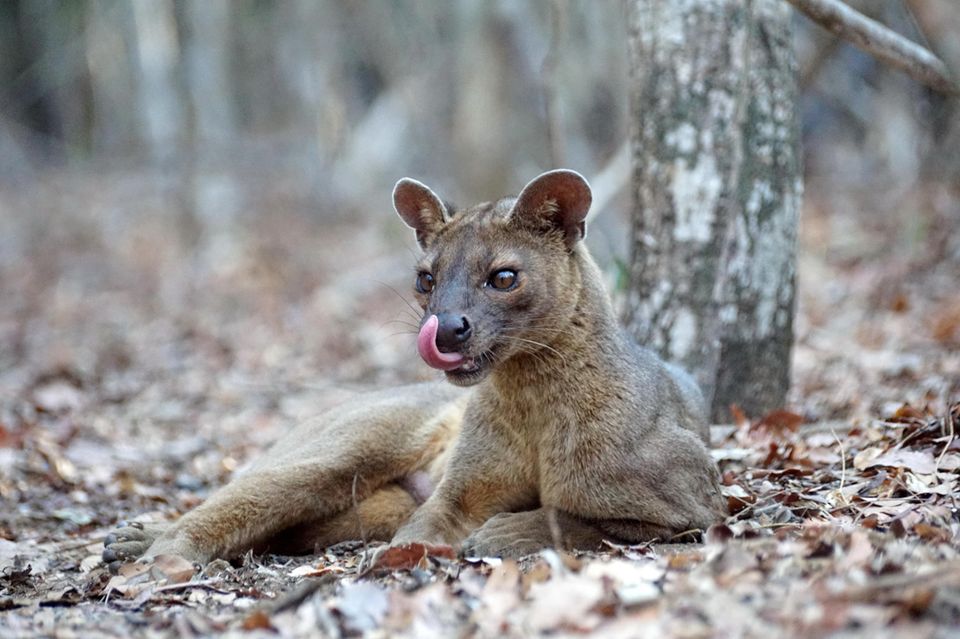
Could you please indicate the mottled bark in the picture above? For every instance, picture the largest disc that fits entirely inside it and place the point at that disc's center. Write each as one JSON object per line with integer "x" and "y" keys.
{"x": 716, "y": 193}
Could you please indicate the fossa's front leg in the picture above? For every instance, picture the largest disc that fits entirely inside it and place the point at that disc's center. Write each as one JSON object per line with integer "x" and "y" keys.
{"x": 474, "y": 488}
{"x": 523, "y": 533}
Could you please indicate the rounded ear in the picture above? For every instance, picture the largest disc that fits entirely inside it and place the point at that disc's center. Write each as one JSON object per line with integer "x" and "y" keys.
{"x": 419, "y": 208}
{"x": 553, "y": 200}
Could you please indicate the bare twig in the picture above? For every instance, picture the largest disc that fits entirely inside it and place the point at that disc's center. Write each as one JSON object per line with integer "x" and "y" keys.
{"x": 936, "y": 23}
{"x": 879, "y": 41}
{"x": 356, "y": 510}
{"x": 686, "y": 533}
{"x": 300, "y": 593}
{"x": 207, "y": 584}
{"x": 947, "y": 575}
{"x": 825, "y": 48}
{"x": 549, "y": 73}
{"x": 610, "y": 181}
{"x": 843, "y": 466}
{"x": 555, "y": 530}
{"x": 951, "y": 433}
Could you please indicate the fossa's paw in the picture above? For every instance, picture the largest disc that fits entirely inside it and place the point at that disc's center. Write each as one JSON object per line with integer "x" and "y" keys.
{"x": 509, "y": 535}
{"x": 129, "y": 541}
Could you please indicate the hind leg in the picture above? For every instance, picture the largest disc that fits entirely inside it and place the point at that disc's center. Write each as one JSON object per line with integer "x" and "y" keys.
{"x": 376, "y": 518}
{"x": 314, "y": 473}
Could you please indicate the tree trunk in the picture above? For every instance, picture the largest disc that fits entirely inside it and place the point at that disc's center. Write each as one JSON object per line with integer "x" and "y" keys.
{"x": 717, "y": 186}
{"x": 207, "y": 49}
{"x": 158, "y": 53}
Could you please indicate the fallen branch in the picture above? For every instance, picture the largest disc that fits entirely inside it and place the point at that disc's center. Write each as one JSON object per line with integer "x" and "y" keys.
{"x": 947, "y": 575}
{"x": 549, "y": 73}
{"x": 300, "y": 593}
{"x": 610, "y": 181}
{"x": 206, "y": 584}
{"x": 878, "y": 40}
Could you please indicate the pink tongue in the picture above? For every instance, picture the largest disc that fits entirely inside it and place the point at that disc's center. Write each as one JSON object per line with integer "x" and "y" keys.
{"x": 427, "y": 347}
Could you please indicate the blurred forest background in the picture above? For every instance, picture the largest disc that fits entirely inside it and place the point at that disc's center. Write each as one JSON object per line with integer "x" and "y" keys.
{"x": 198, "y": 247}
{"x": 221, "y": 171}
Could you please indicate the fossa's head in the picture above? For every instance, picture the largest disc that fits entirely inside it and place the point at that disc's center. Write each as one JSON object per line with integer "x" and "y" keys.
{"x": 496, "y": 279}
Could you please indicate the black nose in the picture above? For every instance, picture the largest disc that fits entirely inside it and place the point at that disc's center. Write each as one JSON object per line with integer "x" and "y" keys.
{"x": 452, "y": 331}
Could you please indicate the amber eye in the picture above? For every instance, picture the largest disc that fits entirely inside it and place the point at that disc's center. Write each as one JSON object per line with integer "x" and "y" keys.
{"x": 503, "y": 280}
{"x": 424, "y": 283}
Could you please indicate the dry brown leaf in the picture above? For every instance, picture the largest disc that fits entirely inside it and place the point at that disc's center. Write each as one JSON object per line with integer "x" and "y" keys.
{"x": 780, "y": 422}
{"x": 634, "y": 583}
{"x": 685, "y": 560}
{"x": 564, "y": 602}
{"x": 57, "y": 397}
{"x": 938, "y": 484}
{"x": 737, "y": 500}
{"x": 921, "y": 462}
{"x": 363, "y": 606}
{"x": 174, "y": 569}
{"x": 305, "y": 570}
{"x": 859, "y": 551}
{"x": 499, "y": 597}
{"x": 90, "y": 562}
{"x": 539, "y": 573}
{"x": 9, "y": 439}
{"x": 945, "y": 323}
{"x": 131, "y": 570}
{"x": 932, "y": 533}
{"x": 898, "y": 529}
{"x": 907, "y": 413}
{"x": 412, "y": 555}
{"x": 131, "y": 579}
{"x": 949, "y": 462}
{"x": 569, "y": 561}
{"x": 900, "y": 303}
{"x": 308, "y": 570}
{"x": 740, "y": 418}
{"x": 62, "y": 467}
{"x": 718, "y": 534}
{"x": 427, "y": 610}
{"x": 257, "y": 620}
{"x": 863, "y": 459}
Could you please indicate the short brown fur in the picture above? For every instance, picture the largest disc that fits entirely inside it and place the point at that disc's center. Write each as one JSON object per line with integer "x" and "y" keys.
{"x": 568, "y": 426}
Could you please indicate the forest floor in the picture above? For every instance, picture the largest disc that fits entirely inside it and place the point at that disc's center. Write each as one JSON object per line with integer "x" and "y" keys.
{"x": 145, "y": 357}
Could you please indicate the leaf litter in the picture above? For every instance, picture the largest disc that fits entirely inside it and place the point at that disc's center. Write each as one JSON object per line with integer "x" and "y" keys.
{"x": 134, "y": 383}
